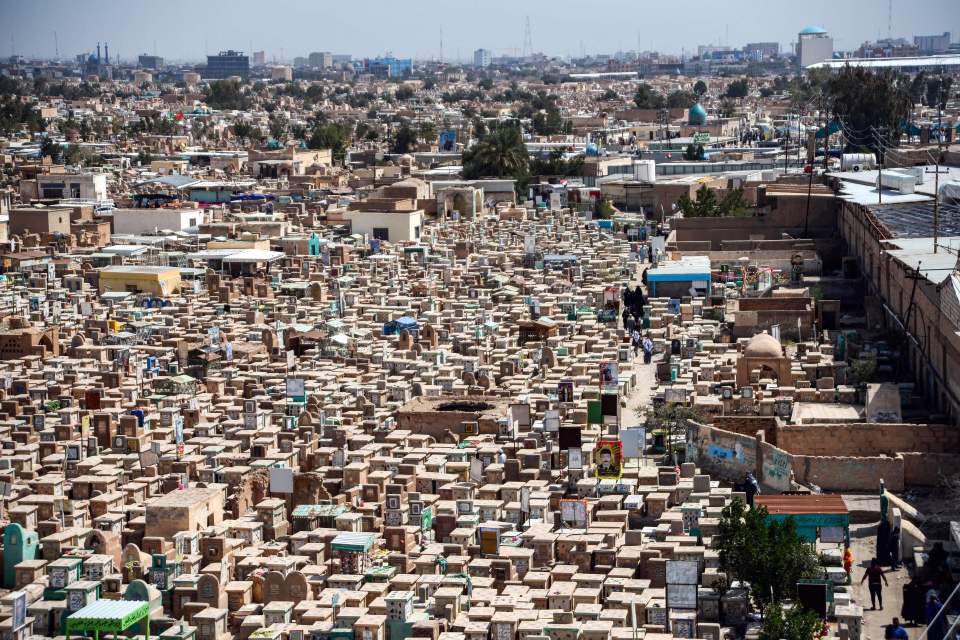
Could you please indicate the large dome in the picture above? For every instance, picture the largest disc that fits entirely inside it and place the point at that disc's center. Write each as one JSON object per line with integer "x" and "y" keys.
{"x": 812, "y": 30}
{"x": 697, "y": 116}
{"x": 763, "y": 345}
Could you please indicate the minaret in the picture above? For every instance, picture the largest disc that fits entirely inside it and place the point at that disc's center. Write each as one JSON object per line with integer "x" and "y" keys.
{"x": 106, "y": 52}
{"x": 98, "y": 53}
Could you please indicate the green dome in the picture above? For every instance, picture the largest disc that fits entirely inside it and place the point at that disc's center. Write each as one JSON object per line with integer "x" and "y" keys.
{"x": 697, "y": 116}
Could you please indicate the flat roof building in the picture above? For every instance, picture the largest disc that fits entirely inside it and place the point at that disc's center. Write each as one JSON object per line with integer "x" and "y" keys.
{"x": 226, "y": 64}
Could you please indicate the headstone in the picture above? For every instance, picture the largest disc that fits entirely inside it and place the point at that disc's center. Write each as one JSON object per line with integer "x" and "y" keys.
{"x": 883, "y": 403}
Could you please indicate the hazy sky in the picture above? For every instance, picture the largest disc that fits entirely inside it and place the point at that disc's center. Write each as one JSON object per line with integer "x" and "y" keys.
{"x": 189, "y": 29}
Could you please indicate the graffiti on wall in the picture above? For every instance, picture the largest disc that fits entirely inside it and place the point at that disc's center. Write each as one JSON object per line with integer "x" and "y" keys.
{"x": 776, "y": 469}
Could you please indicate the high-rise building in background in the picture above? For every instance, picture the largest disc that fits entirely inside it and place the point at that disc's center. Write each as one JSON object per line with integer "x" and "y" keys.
{"x": 762, "y": 50}
{"x": 814, "y": 45}
{"x": 259, "y": 58}
{"x": 321, "y": 59}
{"x": 932, "y": 44}
{"x": 145, "y": 61}
{"x": 481, "y": 58}
{"x": 342, "y": 58}
{"x": 226, "y": 64}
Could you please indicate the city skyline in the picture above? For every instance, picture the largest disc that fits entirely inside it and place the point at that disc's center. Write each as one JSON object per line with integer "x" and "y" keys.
{"x": 420, "y": 34}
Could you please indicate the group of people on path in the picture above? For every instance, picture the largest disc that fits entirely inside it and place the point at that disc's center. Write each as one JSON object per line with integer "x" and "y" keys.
{"x": 921, "y": 599}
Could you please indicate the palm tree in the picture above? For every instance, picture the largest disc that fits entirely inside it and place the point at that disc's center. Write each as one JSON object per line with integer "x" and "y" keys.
{"x": 500, "y": 153}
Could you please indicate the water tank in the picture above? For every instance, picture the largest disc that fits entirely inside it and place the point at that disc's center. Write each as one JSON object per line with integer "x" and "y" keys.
{"x": 645, "y": 170}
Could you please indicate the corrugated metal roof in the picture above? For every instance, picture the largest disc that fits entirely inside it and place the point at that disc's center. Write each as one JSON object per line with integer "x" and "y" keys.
{"x": 802, "y": 504}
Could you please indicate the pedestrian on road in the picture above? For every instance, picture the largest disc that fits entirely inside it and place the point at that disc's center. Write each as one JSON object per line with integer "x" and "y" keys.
{"x": 874, "y": 574}
{"x": 895, "y": 631}
{"x": 637, "y": 342}
{"x": 936, "y": 626}
{"x": 647, "y": 349}
{"x": 895, "y": 548}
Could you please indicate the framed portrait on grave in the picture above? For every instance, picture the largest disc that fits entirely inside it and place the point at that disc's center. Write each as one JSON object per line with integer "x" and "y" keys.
{"x": 608, "y": 458}
{"x": 249, "y": 406}
{"x": 575, "y": 459}
{"x": 746, "y": 392}
{"x": 393, "y": 502}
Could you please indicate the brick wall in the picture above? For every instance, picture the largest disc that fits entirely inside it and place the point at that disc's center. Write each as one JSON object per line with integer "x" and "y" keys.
{"x": 799, "y": 303}
{"x": 928, "y": 469}
{"x": 749, "y": 425}
{"x": 849, "y": 473}
{"x": 867, "y": 439}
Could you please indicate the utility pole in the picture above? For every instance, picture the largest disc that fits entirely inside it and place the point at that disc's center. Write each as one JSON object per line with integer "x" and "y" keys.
{"x": 936, "y": 175}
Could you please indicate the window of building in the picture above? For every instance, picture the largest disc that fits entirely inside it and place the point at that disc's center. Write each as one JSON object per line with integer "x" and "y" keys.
{"x": 416, "y": 232}
{"x": 381, "y": 233}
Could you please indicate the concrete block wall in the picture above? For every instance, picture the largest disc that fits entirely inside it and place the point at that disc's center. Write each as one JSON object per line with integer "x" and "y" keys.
{"x": 928, "y": 469}
{"x": 849, "y": 473}
{"x": 867, "y": 439}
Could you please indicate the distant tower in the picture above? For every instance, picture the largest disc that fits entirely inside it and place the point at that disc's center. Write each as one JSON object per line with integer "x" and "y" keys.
{"x": 106, "y": 52}
{"x": 527, "y": 38}
{"x": 98, "y": 53}
{"x": 890, "y": 20}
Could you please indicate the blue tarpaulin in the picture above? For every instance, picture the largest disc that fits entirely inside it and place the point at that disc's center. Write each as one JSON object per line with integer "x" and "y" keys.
{"x": 396, "y": 326}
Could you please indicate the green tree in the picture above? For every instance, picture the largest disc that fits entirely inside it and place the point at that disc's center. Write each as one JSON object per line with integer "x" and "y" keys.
{"x": 918, "y": 88}
{"x": 705, "y": 206}
{"x": 647, "y": 98}
{"x": 738, "y": 88}
{"x": 694, "y": 152}
{"x": 672, "y": 420}
{"x": 403, "y": 92}
{"x": 555, "y": 165}
{"x": 329, "y": 135}
{"x": 243, "y": 130}
{"x": 404, "y": 140}
{"x": 278, "y": 127}
{"x": 225, "y": 94}
{"x": 50, "y": 148}
{"x": 427, "y": 131}
{"x": 770, "y": 556}
{"x": 681, "y": 100}
{"x": 795, "y": 623}
{"x": 486, "y": 84}
{"x": 499, "y": 153}
{"x": 610, "y": 94}
{"x": 700, "y": 88}
{"x": 938, "y": 92}
{"x": 733, "y": 203}
{"x": 869, "y": 104}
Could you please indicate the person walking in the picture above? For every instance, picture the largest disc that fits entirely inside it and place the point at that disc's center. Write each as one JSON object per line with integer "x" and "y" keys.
{"x": 848, "y": 562}
{"x": 895, "y": 631}
{"x": 751, "y": 487}
{"x": 637, "y": 342}
{"x": 874, "y": 575}
{"x": 895, "y": 548}
{"x": 936, "y": 624}
{"x": 647, "y": 349}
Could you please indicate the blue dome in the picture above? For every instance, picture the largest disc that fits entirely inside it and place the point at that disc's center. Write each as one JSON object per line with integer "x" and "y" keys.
{"x": 697, "y": 116}
{"x": 812, "y": 30}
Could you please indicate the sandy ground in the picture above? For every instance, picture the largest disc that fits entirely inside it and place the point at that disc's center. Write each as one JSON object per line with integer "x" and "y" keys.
{"x": 863, "y": 538}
